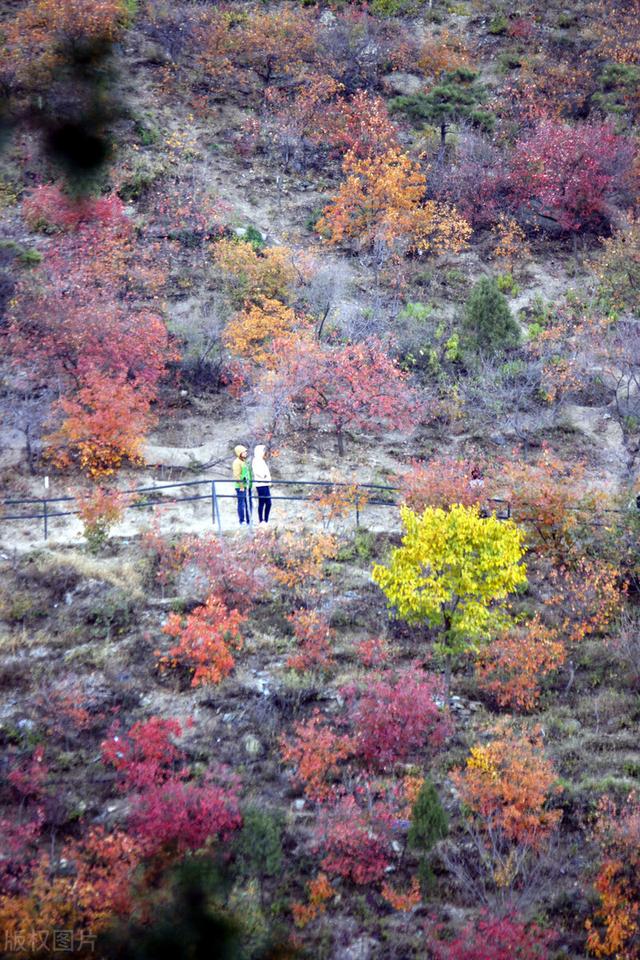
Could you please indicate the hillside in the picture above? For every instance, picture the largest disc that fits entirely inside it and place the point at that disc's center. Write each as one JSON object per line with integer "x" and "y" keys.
{"x": 397, "y": 244}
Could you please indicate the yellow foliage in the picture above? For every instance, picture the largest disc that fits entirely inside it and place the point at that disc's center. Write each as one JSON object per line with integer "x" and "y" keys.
{"x": 255, "y": 275}
{"x": 382, "y": 201}
{"x": 251, "y": 332}
{"x": 451, "y": 571}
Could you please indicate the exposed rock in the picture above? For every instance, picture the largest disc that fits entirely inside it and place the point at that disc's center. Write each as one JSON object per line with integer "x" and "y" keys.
{"x": 361, "y": 949}
{"x": 252, "y": 746}
{"x": 404, "y": 84}
{"x": 160, "y": 456}
{"x": 597, "y": 425}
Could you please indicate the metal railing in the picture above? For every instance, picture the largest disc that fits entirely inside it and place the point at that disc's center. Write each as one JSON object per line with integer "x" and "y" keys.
{"x": 376, "y": 495}
{"x": 157, "y": 495}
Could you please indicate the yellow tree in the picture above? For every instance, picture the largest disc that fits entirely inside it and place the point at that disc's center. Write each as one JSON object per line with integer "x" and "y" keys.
{"x": 454, "y": 571}
{"x": 382, "y": 200}
{"x": 255, "y": 273}
{"x": 251, "y": 332}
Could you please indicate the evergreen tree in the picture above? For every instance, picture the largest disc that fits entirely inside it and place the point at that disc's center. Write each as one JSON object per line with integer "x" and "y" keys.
{"x": 429, "y": 824}
{"x": 488, "y": 325}
{"x": 457, "y": 97}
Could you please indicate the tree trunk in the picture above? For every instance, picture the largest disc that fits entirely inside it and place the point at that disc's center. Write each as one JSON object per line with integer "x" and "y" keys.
{"x": 340, "y": 439}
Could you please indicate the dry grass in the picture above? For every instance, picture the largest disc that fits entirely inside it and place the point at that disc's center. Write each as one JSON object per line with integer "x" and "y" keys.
{"x": 127, "y": 575}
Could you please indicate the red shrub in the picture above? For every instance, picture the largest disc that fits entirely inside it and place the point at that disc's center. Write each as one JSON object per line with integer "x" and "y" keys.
{"x": 29, "y": 777}
{"x": 204, "y": 641}
{"x": 231, "y": 571}
{"x": 314, "y": 634}
{"x": 317, "y": 750}
{"x": 145, "y": 756}
{"x": 568, "y": 173}
{"x": 361, "y": 125}
{"x": 493, "y": 938}
{"x": 373, "y": 652}
{"x": 442, "y": 482}
{"x": 48, "y": 208}
{"x": 396, "y": 716}
{"x": 183, "y": 816}
{"x": 356, "y": 841}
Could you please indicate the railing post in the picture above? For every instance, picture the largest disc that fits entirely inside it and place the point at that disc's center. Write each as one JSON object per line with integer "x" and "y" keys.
{"x": 215, "y": 507}
{"x": 45, "y": 518}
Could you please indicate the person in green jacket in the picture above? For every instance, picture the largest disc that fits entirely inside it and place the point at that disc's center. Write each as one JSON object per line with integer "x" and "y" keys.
{"x": 243, "y": 483}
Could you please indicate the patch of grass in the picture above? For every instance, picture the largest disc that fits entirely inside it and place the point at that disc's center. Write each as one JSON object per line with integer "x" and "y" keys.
{"x": 127, "y": 575}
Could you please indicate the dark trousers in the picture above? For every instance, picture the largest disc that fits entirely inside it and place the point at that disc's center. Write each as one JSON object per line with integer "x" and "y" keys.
{"x": 264, "y": 503}
{"x": 244, "y": 505}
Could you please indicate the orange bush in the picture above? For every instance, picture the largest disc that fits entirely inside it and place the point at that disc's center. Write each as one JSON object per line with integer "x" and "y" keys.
{"x": 293, "y": 560}
{"x": 36, "y": 35}
{"x": 84, "y": 903}
{"x": 586, "y": 598}
{"x": 250, "y": 333}
{"x": 105, "y": 423}
{"x": 320, "y": 892}
{"x": 615, "y": 929}
{"x": 205, "y": 639}
{"x": 317, "y": 752}
{"x": 445, "y": 54}
{"x": 507, "y": 785}
{"x": 403, "y": 900}
{"x": 332, "y": 503}
{"x": 100, "y": 511}
{"x": 382, "y": 201}
{"x": 512, "y": 666}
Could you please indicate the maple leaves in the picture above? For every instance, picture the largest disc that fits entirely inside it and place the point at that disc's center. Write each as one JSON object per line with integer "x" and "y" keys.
{"x": 382, "y": 201}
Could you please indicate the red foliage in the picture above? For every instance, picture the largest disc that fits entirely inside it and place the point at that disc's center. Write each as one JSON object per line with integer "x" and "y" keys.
{"x": 360, "y": 125}
{"x": 104, "y": 423}
{"x": 145, "y": 756}
{"x": 396, "y": 716}
{"x": 48, "y": 208}
{"x": 373, "y": 652}
{"x": 356, "y": 840}
{"x": 356, "y": 386}
{"x": 512, "y": 666}
{"x": 204, "y": 641}
{"x": 317, "y": 750}
{"x": 568, "y": 173}
{"x": 80, "y": 321}
{"x": 182, "y": 816}
{"x": 19, "y": 834}
{"x": 29, "y": 777}
{"x": 232, "y": 571}
{"x": 442, "y": 482}
{"x": 496, "y": 938}
{"x": 314, "y": 634}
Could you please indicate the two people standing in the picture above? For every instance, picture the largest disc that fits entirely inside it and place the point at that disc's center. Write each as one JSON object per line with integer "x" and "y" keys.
{"x": 247, "y": 474}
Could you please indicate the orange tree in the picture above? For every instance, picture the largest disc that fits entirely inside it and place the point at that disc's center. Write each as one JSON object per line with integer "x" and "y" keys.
{"x": 614, "y": 931}
{"x": 251, "y": 332}
{"x": 382, "y": 201}
{"x": 89, "y": 320}
{"x": 506, "y": 788}
{"x": 353, "y": 386}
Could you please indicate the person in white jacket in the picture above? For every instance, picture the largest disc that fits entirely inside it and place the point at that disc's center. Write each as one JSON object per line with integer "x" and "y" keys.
{"x": 261, "y": 479}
